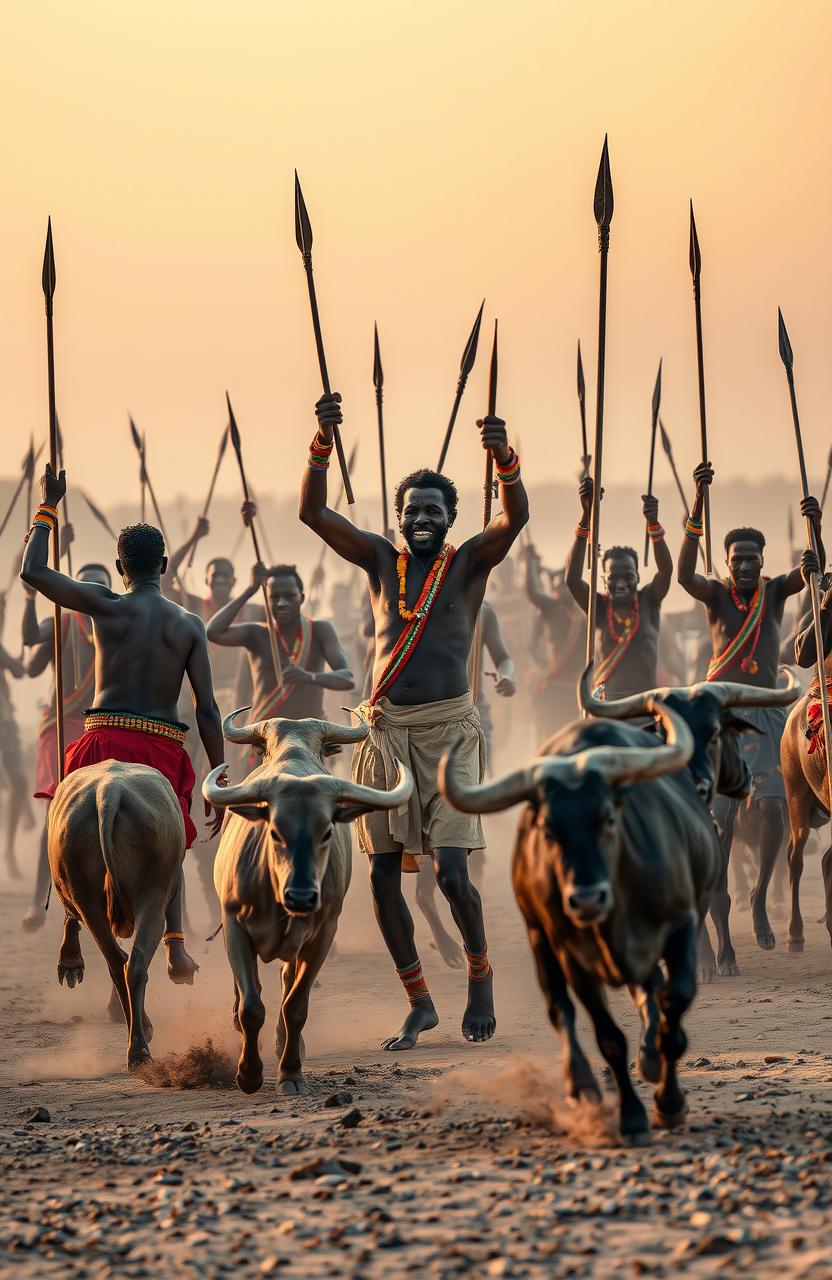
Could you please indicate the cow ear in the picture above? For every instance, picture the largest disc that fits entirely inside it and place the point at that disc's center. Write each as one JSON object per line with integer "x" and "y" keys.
{"x": 254, "y": 812}
{"x": 740, "y": 725}
{"x": 346, "y": 812}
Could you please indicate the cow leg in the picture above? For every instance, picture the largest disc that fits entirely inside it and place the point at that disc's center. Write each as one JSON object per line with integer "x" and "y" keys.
{"x": 612, "y": 1042}
{"x": 146, "y": 939}
{"x": 297, "y": 982}
{"x": 116, "y": 961}
{"x": 35, "y": 917}
{"x": 450, "y": 951}
{"x": 772, "y": 814}
{"x": 725, "y": 813}
{"x": 580, "y": 1080}
{"x": 797, "y": 845}
{"x": 675, "y": 997}
{"x": 251, "y": 1011}
{"x": 70, "y": 960}
{"x": 644, "y": 999}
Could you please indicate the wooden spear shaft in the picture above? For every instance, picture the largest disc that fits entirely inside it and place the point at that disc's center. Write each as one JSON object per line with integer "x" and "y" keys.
{"x": 696, "y": 273}
{"x": 487, "y": 503}
{"x": 72, "y": 636}
{"x": 48, "y": 292}
{"x": 211, "y": 488}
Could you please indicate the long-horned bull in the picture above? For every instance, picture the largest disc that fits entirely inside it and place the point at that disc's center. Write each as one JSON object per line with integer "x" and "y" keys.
{"x": 717, "y": 765}
{"x": 282, "y": 870}
{"x": 116, "y": 842}
{"x": 803, "y": 761}
{"x": 613, "y": 867}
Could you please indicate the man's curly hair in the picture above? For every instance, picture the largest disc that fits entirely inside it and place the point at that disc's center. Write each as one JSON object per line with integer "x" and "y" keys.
{"x": 141, "y": 550}
{"x": 424, "y": 478}
{"x": 287, "y": 571}
{"x": 745, "y": 535}
{"x": 616, "y": 553}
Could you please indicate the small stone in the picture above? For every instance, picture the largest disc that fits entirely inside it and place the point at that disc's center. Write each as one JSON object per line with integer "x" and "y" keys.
{"x": 351, "y": 1120}
{"x": 771, "y": 1058}
{"x": 39, "y": 1116}
{"x": 341, "y": 1098}
{"x": 323, "y": 1165}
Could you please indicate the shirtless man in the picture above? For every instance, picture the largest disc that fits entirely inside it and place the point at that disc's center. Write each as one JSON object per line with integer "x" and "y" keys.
{"x": 79, "y": 654}
{"x": 306, "y": 648}
{"x": 745, "y": 616}
{"x": 628, "y": 616}
{"x": 145, "y": 645}
{"x": 564, "y": 629}
{"x": 425, "y": 602}
{"x": 17, "y": 801}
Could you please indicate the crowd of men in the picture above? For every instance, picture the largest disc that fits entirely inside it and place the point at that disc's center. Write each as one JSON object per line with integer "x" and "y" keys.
{"x": 128, "y": 653}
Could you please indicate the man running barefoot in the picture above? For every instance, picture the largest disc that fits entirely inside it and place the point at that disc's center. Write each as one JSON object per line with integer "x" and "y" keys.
{"x": 145, "y": 645}
{"x": 426, "y": 599}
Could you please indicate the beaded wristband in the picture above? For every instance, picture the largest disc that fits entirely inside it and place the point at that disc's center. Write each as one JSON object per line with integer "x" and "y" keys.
{"x": 173, "y": 935}
{"x": 582, "y": 532}
{"x": 693, "y": 528}
{"x": 319, "y": 454}
{"x": 508, "y": 472}
{"x": 655, "y": 532}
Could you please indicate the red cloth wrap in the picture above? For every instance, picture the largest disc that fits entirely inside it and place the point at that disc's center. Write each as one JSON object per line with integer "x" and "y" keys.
{"x": 131, "y": 746}
{"x": 46, "y": 774}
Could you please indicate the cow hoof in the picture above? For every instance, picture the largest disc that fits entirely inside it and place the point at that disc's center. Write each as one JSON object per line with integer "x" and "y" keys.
{"x": 71, "y": 974}
{"x": 586, "y": 1091}
{"x": 764, "y": 937}
{"x": 649, "y": 1065}
{"x": 728, "y": 968}
{"x": 795, "y": 946}
{"x": 138, "y": 1058}
{"x": 249, "y": 1084}
{"x": 669, "y": 1119}
{"x": 706, "y": 974}
{"x": 291, "y": 1088}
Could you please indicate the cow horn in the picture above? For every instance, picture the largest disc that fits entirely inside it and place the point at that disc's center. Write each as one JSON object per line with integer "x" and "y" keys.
{"x": 350, "y": 793}
{"x": 731, "y": 694}
{"x": 343, "y": 734}
{"x": 638, "y": 764}
{"x": 250, "y": 733}
{"x": 616, "y": 708}
{"x": 222, "y": 797}
{"x": 502, "y": 793}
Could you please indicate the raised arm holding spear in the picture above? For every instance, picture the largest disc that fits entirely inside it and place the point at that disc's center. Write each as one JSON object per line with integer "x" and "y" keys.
{"x": 657, "y": 399}
{"x": 207, "y": 507}
{"x": 303, "y": 236}
{"x": 466, "y": 364}
{"x": 317, "y": 579}
{"x": 668, "y": 451}
{"x": 488, "y": 499}
{"x": 66, "y": 550}
{"x": 234, "y": 433}
{"x": 696, "y": 273}
{"x": 603, "y": 208}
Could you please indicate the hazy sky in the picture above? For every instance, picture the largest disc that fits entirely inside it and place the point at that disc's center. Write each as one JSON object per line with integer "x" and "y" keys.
{"x": 447, "y": 151}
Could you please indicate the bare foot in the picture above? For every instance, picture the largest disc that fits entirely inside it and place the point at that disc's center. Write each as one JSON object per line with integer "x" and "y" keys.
{"x": 181, "y": 968}
{"x": 35, "y": 918}
{"x": 479, "y": 1022}
{"x": 422, "y": 1017}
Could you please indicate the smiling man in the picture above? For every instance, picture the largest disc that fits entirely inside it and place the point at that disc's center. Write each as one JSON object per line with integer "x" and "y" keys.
{"x": 307, "y": 647}
{"x": 628, "y": 616}
{"x": 745, "y": 616}
{"x": 426, "y": 598}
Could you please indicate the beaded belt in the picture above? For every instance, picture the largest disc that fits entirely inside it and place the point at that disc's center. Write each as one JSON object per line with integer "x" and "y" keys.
{"x": 98, "y": 719}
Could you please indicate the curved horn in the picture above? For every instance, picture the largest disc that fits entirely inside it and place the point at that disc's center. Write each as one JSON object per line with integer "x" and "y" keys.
{"x": 343, "y": 734}
{"x": 349, "y": 792}
{"x": 502, "y": 793}
{"x": 222, "y": 797}
{"x": 251, "y": 733}
{"x": 731, "y": 694}
{"x": 616, "y": 708}
{"x": 638, "y": 764}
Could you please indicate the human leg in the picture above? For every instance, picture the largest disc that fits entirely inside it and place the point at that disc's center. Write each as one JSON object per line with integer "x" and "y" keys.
{"x": 396, "y": 925}
{"x": 479, "y": 1022}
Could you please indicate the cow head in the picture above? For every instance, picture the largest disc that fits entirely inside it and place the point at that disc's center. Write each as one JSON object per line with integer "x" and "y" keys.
{"x": 717, "y": 763}
{"x": 300, "y": 806}
{"x": 576, "y": 802}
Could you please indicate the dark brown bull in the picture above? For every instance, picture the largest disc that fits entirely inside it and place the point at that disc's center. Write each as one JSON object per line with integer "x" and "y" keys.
{"x": 281, "y": 872}
{"x": 116, "y": 841}
{"x": 614, "y": 864}
{"x": 717, "y": 766}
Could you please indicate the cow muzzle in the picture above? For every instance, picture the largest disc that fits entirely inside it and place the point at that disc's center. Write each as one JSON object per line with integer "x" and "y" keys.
{"x": 589, "y": 904}
{"x": 300, "y": 901}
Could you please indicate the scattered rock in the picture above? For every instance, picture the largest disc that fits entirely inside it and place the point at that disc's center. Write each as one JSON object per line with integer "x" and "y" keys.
{"x": 322, "y": 1166}
{"x": 352, "y": 1119}
{"x": 341, "y": 1098}
{"x": 39, "y": 1116}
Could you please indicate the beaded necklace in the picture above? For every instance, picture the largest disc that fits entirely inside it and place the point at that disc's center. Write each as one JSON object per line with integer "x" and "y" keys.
{"x": 401, "y": 571}
{"x": 416, "y": 618}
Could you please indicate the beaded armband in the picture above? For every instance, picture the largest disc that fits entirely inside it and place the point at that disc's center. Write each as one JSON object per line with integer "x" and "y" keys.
{"x": 582, "y": 532}
{"x": 508, "y": 472}
{"x": 655, "y": 532}
{"x": 45, "y": 517}
{"x": 319, "y": 454}
{"x": 693, "y": 528}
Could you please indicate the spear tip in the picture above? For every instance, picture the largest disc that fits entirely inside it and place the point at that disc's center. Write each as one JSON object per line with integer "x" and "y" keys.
{"x": 48, "y": 274}
{"x": 581, "y": 383}
{"x": 469, "y": 355}
{"x": 786, "y": 354}
{"x": 829, "y": 460}
{"x": 603, "y": 202}
{"x": 137, "y": 440}
{"x": 695, "y": 255}
{"x": 303, "y": 227}
{"x": 233, "y": 429}
{"x": 378, "y": 371}
{"x": 657, "y": 392}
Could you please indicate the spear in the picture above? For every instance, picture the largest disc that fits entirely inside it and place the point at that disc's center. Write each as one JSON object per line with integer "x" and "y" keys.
{"x": 378, "y": 383}
{"x": 100, "y": 516}
{"x": 76, "y": 656}
{"x": 466, "y": 364}
{"x": 657, "y": 399}
{"x": 787, "y": 357}
{"x": 143, "y": 477}
{"x": 263, "y": 535}
{"x": 585, "y": 459}
{"x": 140, "y": 441}
{"x": 826, "y": 481}
{"x": 790, "y": 536}
{"x": 26, "y": 477}
{"x": 488, "y": 498}
{"x": 303, "y": 235}
{"x": 30, "y": 477}
{"x": 48, "y": 280}
{"x": 696, "y": 273}
{"x": 668, "y": 449}
{"x": 603, "y": 209}
{"x": 234, "y": 433}
{"x": 205, "y": 509}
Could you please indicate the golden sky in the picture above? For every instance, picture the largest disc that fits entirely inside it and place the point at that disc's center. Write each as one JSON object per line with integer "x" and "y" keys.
{"x": 448, "y": 151}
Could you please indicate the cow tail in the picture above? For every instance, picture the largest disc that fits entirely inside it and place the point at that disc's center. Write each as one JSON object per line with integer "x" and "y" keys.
{"x": 119, "y": 908}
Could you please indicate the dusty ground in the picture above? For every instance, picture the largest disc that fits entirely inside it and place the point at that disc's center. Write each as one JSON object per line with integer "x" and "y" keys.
{"x": 451, "y": 1160}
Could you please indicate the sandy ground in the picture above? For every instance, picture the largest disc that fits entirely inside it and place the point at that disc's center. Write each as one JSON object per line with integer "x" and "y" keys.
{"x": 451, "y": 1160}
